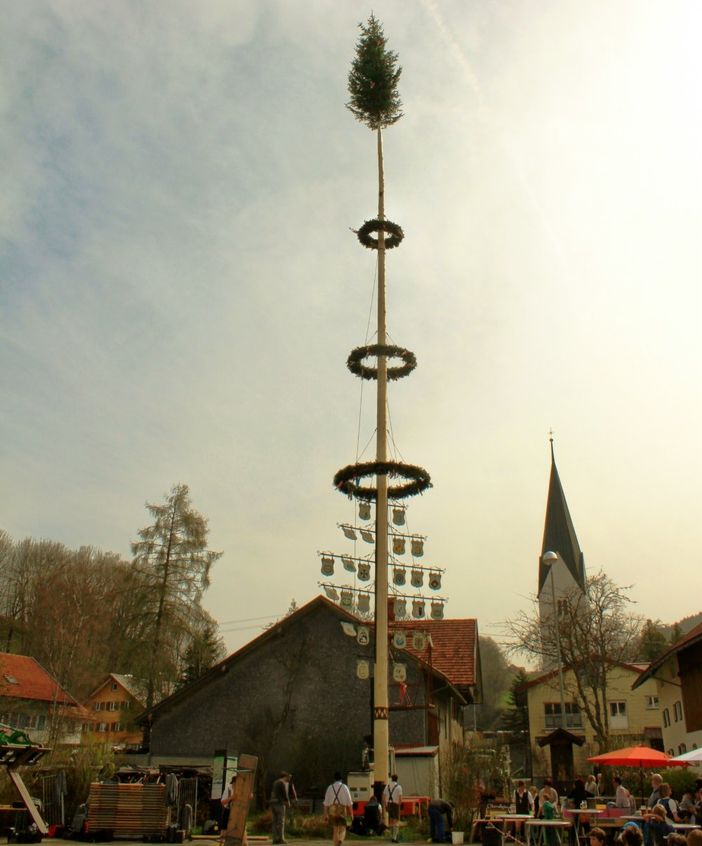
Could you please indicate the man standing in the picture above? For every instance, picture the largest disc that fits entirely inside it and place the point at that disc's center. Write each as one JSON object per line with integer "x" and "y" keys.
{"x": 279, "y": 801}
{"x": 392, "y": 802}
{"x": 656, "y": 782}
{"x": 226, "y": 800}
{"x": 338, "y": 805}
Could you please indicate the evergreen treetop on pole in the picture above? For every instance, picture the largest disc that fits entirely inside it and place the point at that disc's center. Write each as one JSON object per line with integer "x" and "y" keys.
{"x": 373, "y": 79}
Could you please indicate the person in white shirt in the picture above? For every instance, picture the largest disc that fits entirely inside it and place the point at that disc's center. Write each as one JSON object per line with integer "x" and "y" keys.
{"x": 226, "y": 801}
{"x": 622, "y": 797}
{"x": 392, "y": 802}
{"x": 338, "y": 805}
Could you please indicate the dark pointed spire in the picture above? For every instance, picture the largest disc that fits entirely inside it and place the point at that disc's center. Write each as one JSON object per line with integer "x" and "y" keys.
{"x": 559, "y": 532}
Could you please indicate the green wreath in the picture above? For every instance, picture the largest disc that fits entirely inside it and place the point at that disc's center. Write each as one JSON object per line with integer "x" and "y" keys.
{"x": 393, "y": 239}
{"x": 346, "y": 479}
{"x": 355, "y": 366}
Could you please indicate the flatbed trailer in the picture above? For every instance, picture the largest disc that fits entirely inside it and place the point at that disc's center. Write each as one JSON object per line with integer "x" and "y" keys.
{"x": 17, "y": 750}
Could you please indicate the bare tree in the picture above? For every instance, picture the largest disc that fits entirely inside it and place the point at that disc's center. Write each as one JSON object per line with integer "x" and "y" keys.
{"x": 590, "y": 632}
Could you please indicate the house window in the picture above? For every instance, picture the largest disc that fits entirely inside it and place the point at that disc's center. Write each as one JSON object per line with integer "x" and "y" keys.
{"x": 102, "y": 727}
{"x": 677, "y": 711}
{"x": 552, "y": 715}
{"x": 682, "y": 748}
{"x": 666, "y": 718}
{"x": 97, "y": 706}
{"x": 617, "y": 715}
{"x": 10, "y": 679}
{"x": 651, "y": 702}
{"x": 41, "y": 722}
{"x": 671, "y": 753}
{"x": 114, "y": 685}
{"x": 112, "y": 706}
{"x": 116, "y": 727}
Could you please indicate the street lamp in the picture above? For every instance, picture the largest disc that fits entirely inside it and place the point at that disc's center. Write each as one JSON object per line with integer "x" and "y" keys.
{"x": 549, "y": 559}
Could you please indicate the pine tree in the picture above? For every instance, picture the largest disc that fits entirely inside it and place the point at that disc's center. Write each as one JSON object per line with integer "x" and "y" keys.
{"x": 203, "y": 651}
{"x": 173, "y": 556}
{"x": 373, "y": 79}
{"x": 515, "y": 720}
{"x": 653, "y": 641}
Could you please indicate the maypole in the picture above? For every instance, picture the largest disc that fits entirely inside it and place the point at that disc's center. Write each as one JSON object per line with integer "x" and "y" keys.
{"x": 374, "y": 101}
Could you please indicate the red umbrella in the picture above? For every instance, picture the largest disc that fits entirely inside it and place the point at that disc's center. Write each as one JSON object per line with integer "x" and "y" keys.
{"x": 636, "y": 756}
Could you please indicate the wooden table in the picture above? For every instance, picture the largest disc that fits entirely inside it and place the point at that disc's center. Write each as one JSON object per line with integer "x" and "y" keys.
{"x": 578, "y": 814}
{"x": 508, "y": 818}
{"x": 542, "y": 825}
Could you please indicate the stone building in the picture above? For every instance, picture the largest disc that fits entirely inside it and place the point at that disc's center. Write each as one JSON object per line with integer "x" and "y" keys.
{"x": 296, "y": 697}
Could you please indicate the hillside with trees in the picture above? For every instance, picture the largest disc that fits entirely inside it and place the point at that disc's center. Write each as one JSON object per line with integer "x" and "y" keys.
{"x": 82, "y": 613}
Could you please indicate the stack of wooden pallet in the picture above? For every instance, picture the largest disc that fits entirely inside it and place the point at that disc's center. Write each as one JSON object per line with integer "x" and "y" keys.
{"x": 127, "y": 809}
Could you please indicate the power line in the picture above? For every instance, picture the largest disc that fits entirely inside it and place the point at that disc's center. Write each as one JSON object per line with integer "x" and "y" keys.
{"x": 249, "y": 620}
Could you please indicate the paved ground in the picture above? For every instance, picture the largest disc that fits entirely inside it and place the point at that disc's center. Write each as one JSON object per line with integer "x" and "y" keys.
{"x": 293, "y": 841}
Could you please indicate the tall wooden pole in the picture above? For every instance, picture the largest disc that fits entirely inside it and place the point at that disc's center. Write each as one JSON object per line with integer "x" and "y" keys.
{"x": 381, "y": 734}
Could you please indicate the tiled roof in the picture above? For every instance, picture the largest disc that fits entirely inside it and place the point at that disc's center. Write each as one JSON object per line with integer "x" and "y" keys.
{"x": 22, "y": 677}
{"x": 133, "y": 686}
{"x": 549, "y": 674}
{"x": 452, "y": 650}
{"x": 686, "y": 640}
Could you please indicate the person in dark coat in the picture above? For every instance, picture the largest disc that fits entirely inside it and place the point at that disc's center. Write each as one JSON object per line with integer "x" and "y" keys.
{"x": 438, "y": 809}
{"x": 279, "y": 802}
{"x": 578, "y": 794}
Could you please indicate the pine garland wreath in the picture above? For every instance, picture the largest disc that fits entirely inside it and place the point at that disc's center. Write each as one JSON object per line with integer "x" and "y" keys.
{"x": 394, "y": 230}
{"x": 347, "y": 478}
{"x": 374, "y": 99}
{"x": 356, "y": 357}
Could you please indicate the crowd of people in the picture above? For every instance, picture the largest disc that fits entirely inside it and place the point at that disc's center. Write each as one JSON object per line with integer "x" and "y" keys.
{"x": 654, "y": 825}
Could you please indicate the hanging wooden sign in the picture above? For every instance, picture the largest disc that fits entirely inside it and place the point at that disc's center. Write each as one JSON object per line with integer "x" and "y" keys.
{"x": 399, "y": 672}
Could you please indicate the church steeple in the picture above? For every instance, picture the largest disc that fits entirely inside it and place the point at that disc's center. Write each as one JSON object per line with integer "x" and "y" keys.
{"x": 559, "y": 532}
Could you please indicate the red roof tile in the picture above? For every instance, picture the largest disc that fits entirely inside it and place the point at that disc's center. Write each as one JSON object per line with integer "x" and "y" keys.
{"x": 549, "y": 674}
{"x": 452, "y": 649}
{"x": 22, "y": 677}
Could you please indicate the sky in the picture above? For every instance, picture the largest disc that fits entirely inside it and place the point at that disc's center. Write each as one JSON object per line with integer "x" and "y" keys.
{"x": 180, "y": 285}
